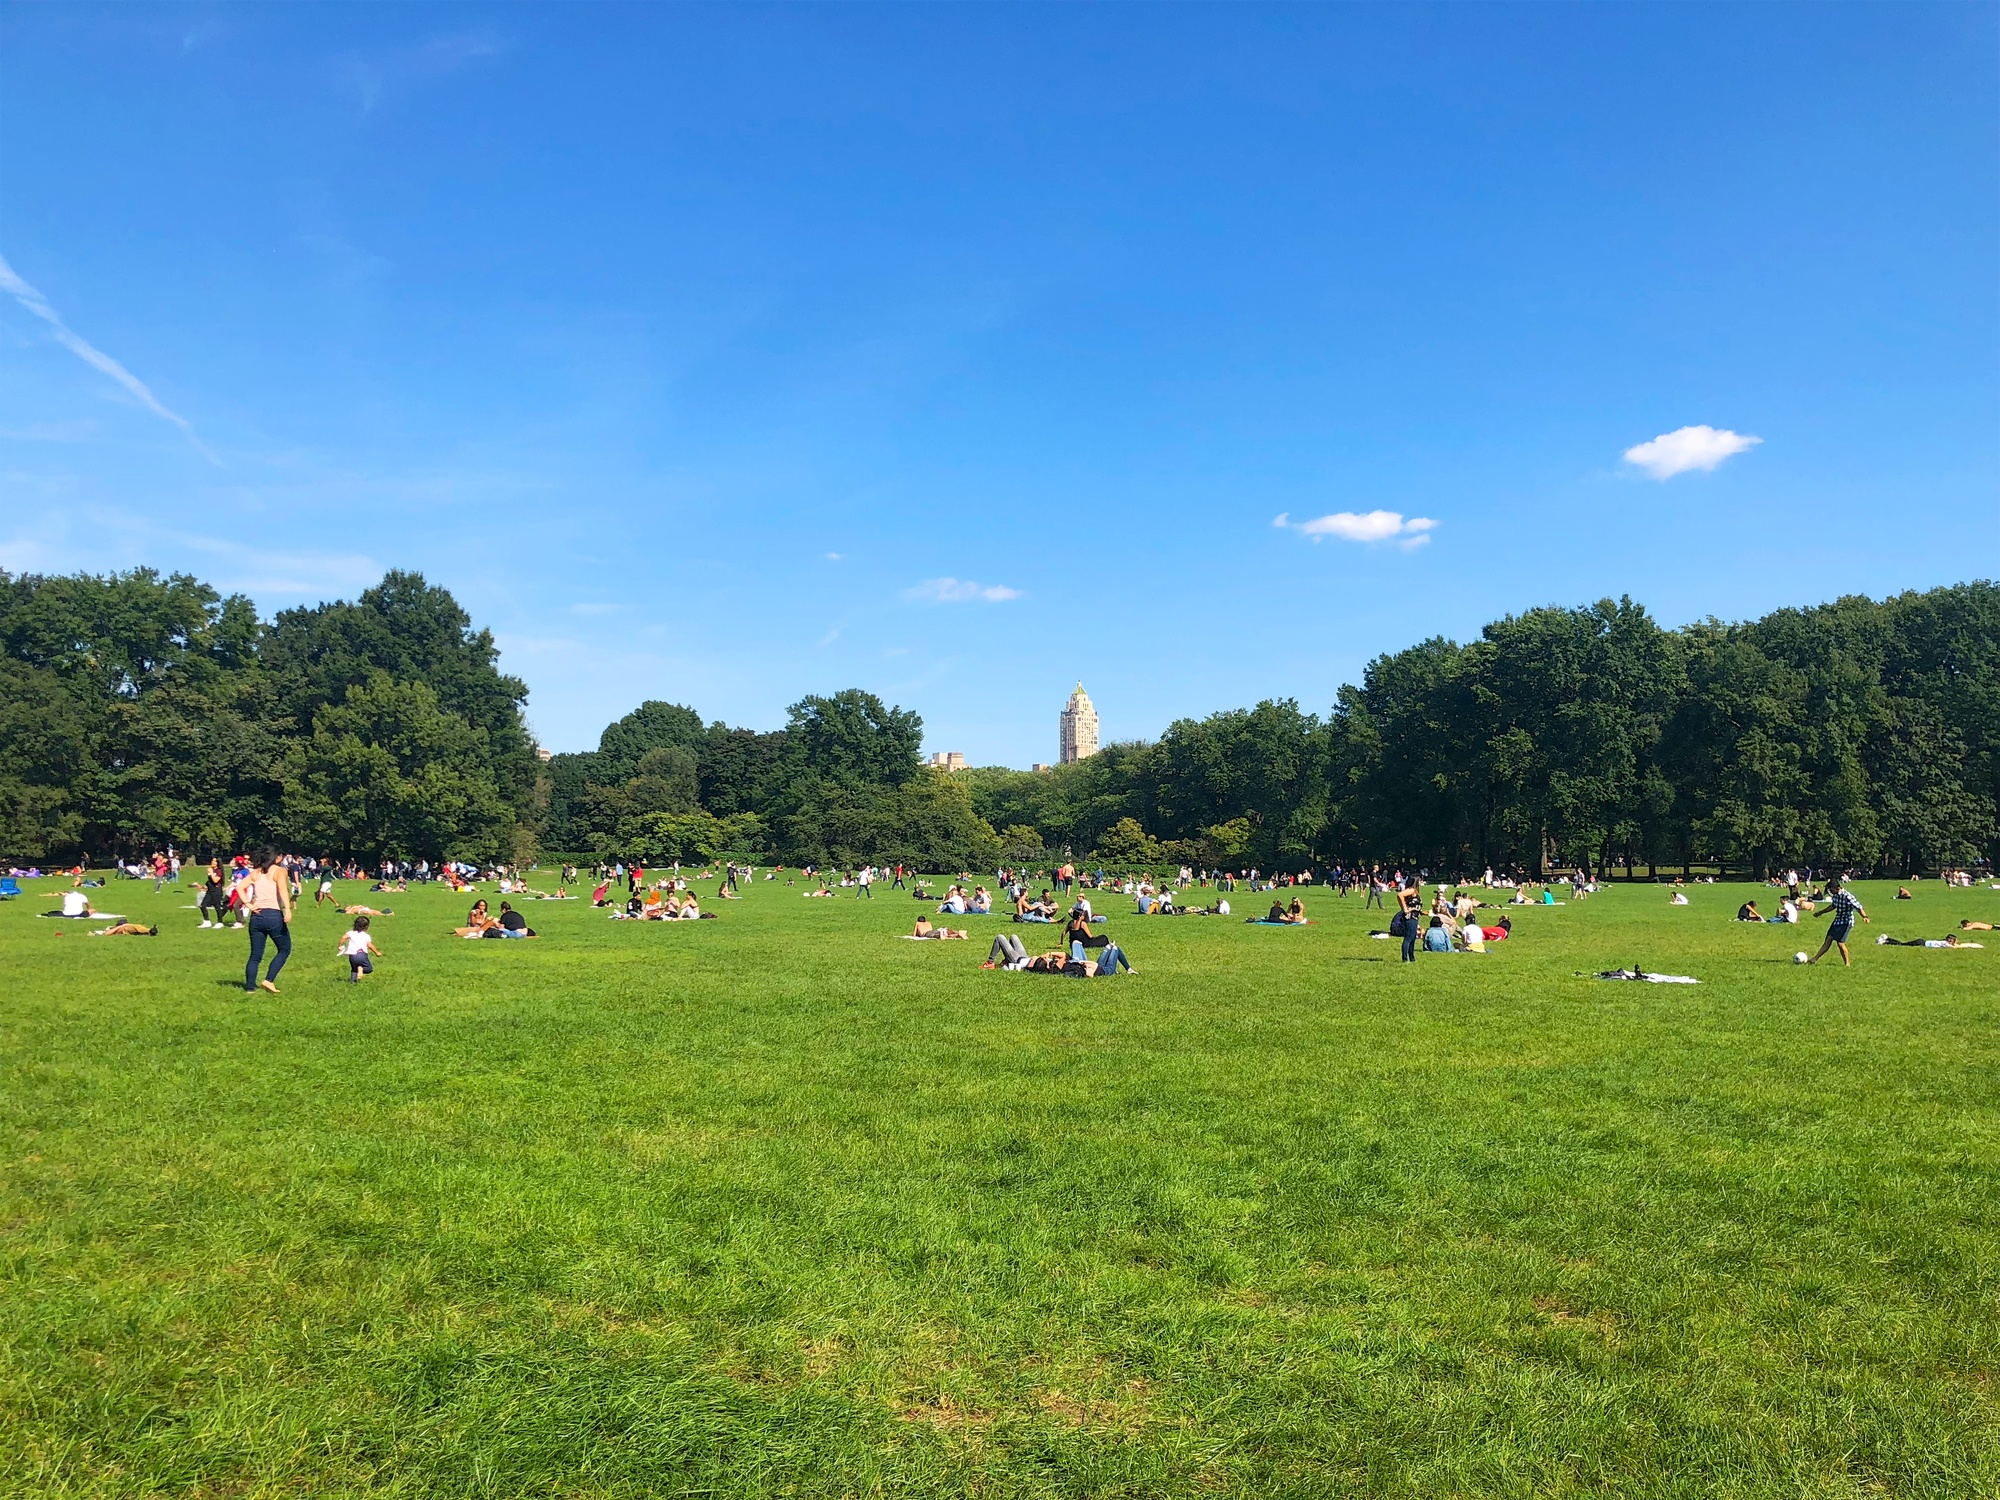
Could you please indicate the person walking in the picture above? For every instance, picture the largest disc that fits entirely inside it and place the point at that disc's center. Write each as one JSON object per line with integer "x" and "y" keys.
{"x": 866, "y": 880}
{"x": 1845, "y": 909}
{"x": 267, "y": 895}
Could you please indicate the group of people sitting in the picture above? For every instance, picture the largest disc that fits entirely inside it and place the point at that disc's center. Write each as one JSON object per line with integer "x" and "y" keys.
{"x": 480, "y": 923}
{"x": 1452, "y": 925}
{"x": 657, "y": 905}
{"x": 1788, "y": 911}
{"x": 958, "y": 904}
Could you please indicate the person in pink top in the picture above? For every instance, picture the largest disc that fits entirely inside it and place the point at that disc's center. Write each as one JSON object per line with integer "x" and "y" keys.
{"x": 267, "y": 896}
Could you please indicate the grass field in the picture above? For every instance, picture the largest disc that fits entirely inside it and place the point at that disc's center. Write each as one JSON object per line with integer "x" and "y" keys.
{"x": 777, "y": 1204}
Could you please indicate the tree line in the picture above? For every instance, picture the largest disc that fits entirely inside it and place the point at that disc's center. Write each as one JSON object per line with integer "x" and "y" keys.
{"x": 137, "y": 709}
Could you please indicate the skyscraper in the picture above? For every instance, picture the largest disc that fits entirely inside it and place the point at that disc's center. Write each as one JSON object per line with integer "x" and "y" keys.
{"x": 1078, "y": 735}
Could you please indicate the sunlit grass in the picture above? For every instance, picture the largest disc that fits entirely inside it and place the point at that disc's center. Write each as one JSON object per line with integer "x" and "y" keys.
{"x": 778, "y": 1204}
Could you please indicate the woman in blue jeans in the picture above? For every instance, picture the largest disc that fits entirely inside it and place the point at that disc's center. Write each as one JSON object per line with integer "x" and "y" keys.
{"x": 267, "y": 896}
{"x": 1412, "y": 900}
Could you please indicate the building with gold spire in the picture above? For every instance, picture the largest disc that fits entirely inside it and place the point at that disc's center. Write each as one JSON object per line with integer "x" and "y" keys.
{"x": 1078, "y": 733}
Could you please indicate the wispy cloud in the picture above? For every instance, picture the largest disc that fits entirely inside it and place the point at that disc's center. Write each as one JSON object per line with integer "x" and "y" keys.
{"x": 1367, "y": 526}
{"x": 1688, "y": 448}
{"x": 959, "y": 591}
{"x": 834, "y": 556}
{"x": 93, "y": 356}
{"x": 374, "y": 76}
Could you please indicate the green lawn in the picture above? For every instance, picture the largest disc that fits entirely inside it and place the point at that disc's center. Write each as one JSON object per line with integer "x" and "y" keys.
{"x": 777, "y": 1204}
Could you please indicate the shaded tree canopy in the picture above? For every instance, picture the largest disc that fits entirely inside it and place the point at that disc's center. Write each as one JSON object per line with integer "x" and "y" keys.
{"x": 138, "y": 709}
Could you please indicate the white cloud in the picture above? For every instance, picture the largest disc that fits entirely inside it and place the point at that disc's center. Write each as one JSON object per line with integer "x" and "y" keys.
{"x": 91, "y": 355}
{"x": 959, "y": 591}
{"x": 1687, "y": 448}
{"x": 833, "y": 556}
{"x": 1368, "y": 526}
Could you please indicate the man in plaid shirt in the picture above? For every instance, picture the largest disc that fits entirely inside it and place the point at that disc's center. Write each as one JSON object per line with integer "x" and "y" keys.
{"x": 1844, "y": 909}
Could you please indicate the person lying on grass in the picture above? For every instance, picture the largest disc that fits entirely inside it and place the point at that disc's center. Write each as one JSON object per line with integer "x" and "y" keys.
{"x": 1971, "y": 926}
{"x": 1009, "y": 952}
{"x": 924, "y": 929}
{"x": 1949, "y": 940}
{"x": 134, "y": 929}
{"x": 363, "y": 911}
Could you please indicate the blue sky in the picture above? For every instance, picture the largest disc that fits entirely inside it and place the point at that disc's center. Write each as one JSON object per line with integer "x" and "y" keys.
{"x": 725, "y": 355}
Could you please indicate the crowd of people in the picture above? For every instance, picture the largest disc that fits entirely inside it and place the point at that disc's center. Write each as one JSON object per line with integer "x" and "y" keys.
{"x": 258, "y": 894}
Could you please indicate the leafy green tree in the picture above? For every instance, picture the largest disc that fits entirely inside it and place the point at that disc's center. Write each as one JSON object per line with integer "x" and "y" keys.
{"x": 388, "y": 771}
{"x": 650, "y": 727}
{"x": 414, "y": 632}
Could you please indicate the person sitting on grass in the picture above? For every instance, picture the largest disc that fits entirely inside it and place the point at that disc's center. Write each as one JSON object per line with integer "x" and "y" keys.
{"x": 924, "y": 929}
{"x": 1679, "y": 898}
{"x": 982, "y": 901}
{"x": 1436, "y": 938}
{"x": 1903, "y": 893}
{"x": 476, "y": 921}
{"x": 1296, "y": 912}
{"x": 1042, "y": 909}
{"x": 1949, "y": 940}
{"x": 357, "y": 947}
{"x": 511, "y": 924}
{"x": 127, "y": 929}
{"x": 1078, "y": 931}
{"x": 1748, "y": 912}
{"x": 955, "y": 901}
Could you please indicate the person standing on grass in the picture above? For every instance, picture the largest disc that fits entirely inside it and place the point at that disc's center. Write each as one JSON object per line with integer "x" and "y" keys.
{"x": 267, "y": 896}
{"x": 866, "y": 880}
{"x": 214, "y": 902}
{"x": 1412, "y": 903}
{"x": 1841, "y": 902}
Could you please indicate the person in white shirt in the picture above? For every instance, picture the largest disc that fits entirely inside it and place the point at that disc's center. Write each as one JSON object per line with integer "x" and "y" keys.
{"x": 357, "y": 947}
